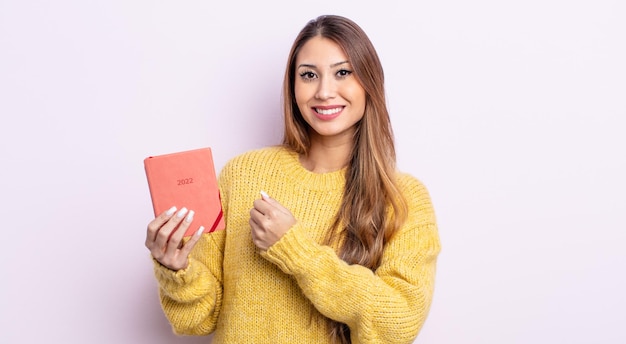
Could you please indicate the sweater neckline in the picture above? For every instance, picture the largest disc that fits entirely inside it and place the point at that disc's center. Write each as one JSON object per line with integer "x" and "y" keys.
{"x": 334, "y": 180}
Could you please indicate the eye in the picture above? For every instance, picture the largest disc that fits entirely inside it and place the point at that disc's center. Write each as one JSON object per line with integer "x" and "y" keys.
{"x": 342, "y": 73}
{"x": 307, "y": 75}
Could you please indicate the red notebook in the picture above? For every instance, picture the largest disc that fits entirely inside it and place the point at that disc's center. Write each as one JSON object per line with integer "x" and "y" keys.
{"x": 186, "y": 179}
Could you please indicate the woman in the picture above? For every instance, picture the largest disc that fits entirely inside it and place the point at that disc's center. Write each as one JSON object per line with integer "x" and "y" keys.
{"x": 339, "y": 248}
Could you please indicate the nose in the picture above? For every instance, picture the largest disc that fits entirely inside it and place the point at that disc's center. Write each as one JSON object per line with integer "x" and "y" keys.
{"x": 326, "y": 89}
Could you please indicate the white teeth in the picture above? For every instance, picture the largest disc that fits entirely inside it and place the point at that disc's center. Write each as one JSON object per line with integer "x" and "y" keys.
{"x": 328, "y": 111}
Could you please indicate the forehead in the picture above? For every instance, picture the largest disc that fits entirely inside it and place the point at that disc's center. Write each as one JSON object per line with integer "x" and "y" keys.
{"x": 320, "y": 52}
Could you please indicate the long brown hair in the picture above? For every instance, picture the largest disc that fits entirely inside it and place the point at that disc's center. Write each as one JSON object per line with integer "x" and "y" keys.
{"x": 372, "y": 207}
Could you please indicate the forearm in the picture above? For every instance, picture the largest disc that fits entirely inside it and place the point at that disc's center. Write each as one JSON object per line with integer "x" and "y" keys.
{"x": 388, "y": 306}
{"x": 189, "y": 298}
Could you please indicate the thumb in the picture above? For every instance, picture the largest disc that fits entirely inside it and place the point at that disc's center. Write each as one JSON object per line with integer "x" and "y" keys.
{"x": 265, "y": 196}
{"x": 270, "y": 200}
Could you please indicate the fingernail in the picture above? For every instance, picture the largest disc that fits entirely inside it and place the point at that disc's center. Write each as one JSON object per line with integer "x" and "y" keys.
{"x": 170, "y": 211}
{"x": 181, "y": 212}
{"x": 264, "y": 195}
{"x": 200, "y": 230}
{"x": 190, "y": 216}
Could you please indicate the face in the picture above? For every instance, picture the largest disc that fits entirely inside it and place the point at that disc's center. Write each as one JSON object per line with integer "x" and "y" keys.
{"x": 328, "y": 94}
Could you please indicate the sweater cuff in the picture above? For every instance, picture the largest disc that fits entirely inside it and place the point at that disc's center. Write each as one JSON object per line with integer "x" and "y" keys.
{"x": 291, "y": 251}
{"x": 169, "y": 278}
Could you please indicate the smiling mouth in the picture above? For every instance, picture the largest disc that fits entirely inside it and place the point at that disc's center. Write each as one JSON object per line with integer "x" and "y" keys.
{"x": 328, "y": 112}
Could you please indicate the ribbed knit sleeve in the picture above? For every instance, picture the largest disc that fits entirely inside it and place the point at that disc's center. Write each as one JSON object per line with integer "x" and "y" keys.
{"x": 191, "y": 298}
{"x": 386, "y": 306}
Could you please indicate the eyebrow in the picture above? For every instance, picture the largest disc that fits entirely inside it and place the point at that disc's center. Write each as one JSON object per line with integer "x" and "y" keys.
{"x": 331, "y": 66}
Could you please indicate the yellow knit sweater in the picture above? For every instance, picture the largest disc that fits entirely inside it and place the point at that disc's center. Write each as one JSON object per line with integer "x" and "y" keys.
{"x": 286, "y": 294}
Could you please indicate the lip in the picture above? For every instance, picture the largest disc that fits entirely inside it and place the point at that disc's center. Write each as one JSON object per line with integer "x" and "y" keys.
{"x": 329, "y": 107}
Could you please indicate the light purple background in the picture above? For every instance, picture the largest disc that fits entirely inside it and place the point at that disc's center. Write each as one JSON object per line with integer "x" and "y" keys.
{"x": 512, "y": 113}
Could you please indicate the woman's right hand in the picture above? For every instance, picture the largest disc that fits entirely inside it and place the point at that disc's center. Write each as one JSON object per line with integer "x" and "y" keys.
{"x": 165, "y": 238}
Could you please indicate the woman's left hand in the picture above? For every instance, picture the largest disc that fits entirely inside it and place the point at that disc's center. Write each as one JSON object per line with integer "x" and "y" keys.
{"x": 269, "y": 221}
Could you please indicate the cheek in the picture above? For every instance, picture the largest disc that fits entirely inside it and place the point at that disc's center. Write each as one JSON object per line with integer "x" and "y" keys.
{"x": 301, "y": 89}
{"x": 302, "y": 95}
{"x": 297, "y": 93}
{"x": 357, "y": 95}
{"x": 300, "y": 103}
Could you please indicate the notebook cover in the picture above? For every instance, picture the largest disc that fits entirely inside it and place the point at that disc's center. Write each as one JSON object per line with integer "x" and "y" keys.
{"x": 186, "y": 179}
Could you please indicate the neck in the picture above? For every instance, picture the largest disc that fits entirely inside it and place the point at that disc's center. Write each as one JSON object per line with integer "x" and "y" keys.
{"x": 327, "y": 154}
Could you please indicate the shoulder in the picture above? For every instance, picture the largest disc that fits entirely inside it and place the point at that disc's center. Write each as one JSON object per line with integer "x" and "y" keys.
{"x": 417, "y": 196}
{"x": 261, "y": 153}
{"x": 255, "y": 161}
{"x": 411, "y": 187}
{"x": 256, "y": 156}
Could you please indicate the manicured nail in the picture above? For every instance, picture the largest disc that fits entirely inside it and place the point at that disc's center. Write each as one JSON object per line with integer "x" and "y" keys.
{"x": 189, "y": 217}
{"x": 200, "y": 230}
{"x": 181, "y": 212}
{"x": 264, "y": 195}
{"x": 170, "y": 211}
